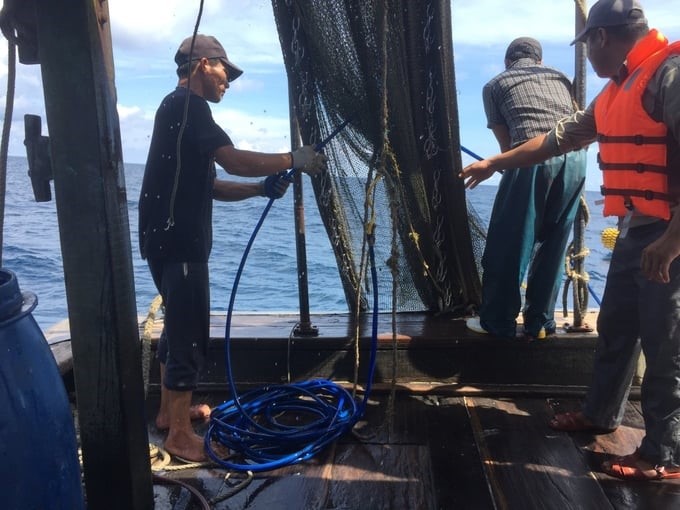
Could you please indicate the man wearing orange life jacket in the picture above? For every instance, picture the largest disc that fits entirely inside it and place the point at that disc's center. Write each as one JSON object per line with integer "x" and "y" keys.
{"x": 633, "y": 145}
{"x": 636, "y": 121}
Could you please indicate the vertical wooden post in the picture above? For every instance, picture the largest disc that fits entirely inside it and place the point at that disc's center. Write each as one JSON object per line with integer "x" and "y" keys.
{"x": 80, "y": 99}
{"x": 580, "y": 287}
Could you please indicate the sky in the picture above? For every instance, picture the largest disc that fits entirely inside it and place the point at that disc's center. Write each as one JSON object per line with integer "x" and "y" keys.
{"x": 254, "y": 112}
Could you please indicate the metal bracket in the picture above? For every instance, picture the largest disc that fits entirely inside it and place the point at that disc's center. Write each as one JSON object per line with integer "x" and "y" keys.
{"x": 305, "y": 329}
{"x": 38, "y": 155}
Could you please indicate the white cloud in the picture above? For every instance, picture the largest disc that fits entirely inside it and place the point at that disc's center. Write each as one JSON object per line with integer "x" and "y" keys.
{"x": 146, "y": 33}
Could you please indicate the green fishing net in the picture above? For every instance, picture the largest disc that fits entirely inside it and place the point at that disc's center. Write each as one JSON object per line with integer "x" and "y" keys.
{"x": 387, "y": 66}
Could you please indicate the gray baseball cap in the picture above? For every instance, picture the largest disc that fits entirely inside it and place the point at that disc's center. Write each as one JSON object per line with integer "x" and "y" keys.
{"x": 609, "y": 13}
{"x": 209, "y": 47}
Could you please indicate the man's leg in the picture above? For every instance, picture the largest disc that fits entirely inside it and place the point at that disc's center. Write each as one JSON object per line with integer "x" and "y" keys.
{"x": 559, "y": 184}
{"x": 507, "y": 252}
{"x": 182, "y": 441}
{"x": 198, "y": 412}
{"x": 660, "y": 338}
{"x": 187, "y": 316}
{"x": 618, "y": 345}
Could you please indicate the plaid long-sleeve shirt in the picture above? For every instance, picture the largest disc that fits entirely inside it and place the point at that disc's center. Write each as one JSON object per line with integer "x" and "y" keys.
{"x": 528, "y": 98}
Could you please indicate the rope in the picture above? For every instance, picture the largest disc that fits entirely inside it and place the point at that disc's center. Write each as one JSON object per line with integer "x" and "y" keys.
{"x": 161, "y": 458}
{"x": 6, "y": 127}
{"x": 147, "y": 336}
{"x": 178, "y": 166}
{"x": 579, "y": 278}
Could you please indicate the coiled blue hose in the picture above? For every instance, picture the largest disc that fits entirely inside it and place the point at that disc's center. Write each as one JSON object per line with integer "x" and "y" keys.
{"x": 280, "y": 425}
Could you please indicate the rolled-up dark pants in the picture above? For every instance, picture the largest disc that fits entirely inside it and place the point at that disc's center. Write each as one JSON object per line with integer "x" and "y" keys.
{"x": 183, "y": 345}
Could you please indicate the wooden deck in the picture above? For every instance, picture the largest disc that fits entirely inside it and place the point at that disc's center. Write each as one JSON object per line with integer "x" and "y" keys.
{"x": 442, "y": 452}
{"x": 468, "y": 431}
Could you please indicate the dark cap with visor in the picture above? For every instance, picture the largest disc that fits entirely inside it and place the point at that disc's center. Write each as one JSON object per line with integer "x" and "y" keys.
{"x": 610, "y": 13}
{"x": 205, "y": 46}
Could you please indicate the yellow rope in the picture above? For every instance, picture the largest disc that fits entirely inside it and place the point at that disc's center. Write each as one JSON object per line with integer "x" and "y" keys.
{"x": 160, "y": 461}
{"x": 147, "y": 336}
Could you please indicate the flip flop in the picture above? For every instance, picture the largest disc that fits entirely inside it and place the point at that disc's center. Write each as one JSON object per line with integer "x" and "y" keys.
{"x": 576, "y": 422}
{"x": 628, "y": 468}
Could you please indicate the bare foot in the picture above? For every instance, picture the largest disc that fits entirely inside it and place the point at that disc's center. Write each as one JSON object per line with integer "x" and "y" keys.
{"x": 198, "y": 412}
{"x": 186, "y": 446}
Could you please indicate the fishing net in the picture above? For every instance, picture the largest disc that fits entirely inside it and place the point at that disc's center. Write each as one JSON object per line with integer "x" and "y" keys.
{"x": 387, "y": 66}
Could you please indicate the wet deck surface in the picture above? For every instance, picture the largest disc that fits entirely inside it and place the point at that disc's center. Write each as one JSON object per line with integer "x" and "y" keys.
{"x": 441, "y": 452}
{"x": 468, "y": 431}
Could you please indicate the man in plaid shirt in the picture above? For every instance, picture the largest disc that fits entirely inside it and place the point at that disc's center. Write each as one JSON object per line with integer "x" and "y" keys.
{"x": 534, "y": 210}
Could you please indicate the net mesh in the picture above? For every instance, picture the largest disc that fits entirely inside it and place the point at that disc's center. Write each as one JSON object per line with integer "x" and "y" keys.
{"x": 387, "y": 66}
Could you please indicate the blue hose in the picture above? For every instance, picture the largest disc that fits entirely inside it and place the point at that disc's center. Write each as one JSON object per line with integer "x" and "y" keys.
{"x": 280, "y": 425}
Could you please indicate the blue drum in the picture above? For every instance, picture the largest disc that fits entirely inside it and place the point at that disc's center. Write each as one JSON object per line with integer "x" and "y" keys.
{"x": 39, "y": 468}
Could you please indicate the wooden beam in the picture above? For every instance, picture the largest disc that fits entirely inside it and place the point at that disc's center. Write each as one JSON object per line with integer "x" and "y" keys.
{"x": 80, "y": 100}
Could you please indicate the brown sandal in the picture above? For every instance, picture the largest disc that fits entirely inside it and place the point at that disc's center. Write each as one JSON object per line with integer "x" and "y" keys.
{"x": 633, "y": 467}
{"x": 576, "y": 422}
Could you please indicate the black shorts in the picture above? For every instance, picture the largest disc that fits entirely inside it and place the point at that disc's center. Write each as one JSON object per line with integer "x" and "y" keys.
{"x": 183, "y": 346}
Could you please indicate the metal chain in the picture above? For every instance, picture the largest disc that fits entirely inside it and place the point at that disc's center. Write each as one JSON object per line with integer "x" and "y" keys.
{"x": 431, "y": 149}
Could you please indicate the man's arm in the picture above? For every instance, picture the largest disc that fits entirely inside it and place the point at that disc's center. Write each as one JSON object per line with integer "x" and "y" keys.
{"x": 230, "y": 191}
{"x": 250, "y": 163}
{"x": 529, "y": 153}
{"x": 657, "y": 257}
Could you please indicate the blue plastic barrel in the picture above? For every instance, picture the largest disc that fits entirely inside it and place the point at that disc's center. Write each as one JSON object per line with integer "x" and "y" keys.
{"x": 39, "y": 468}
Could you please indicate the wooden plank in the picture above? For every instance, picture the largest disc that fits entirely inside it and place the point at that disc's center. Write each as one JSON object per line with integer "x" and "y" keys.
{"x": 381, "y": 476}
{"x": 528, "y": 466}
{"x": 456, "y": 466}
{"x": 58, "y": 337}
{"x": 80, "y": 102}
{"x": 398, "y": 420}
{"x": 428, "y": 348}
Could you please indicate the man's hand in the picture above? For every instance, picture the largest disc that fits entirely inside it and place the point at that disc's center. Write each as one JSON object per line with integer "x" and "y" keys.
{"x": 308, "y": 160}
{"x": 276, "y": 185}
{"x": 476, "y": 173}
{"x": 657, "y": 257}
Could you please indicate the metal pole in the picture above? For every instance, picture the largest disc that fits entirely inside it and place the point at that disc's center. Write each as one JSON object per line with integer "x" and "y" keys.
{"x": 304, "y": 327}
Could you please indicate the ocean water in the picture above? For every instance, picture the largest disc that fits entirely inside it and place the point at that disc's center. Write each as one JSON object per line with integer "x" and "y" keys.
{"x": 269, "y": 281}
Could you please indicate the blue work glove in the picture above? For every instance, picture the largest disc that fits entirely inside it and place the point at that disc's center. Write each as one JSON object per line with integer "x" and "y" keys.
{"x": 275, "y": 186}
{"x": 307, "y": 159}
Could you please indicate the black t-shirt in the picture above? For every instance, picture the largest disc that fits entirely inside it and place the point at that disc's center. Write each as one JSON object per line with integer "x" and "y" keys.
{"x": 189, "y": 239}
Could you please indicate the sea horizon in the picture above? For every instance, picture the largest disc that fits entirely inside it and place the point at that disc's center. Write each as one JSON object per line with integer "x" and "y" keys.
{"x": 269, "y": 281}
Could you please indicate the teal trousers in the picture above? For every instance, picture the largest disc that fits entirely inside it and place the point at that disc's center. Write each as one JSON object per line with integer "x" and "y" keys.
{"x": 530, "y": 225}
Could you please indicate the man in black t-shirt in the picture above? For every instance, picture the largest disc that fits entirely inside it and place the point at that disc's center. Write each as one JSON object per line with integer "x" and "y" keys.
{"x": 175, "y": 221}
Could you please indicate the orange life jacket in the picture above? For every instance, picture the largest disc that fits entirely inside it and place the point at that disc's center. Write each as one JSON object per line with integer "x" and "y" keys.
{"x": 632, "y": 145}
